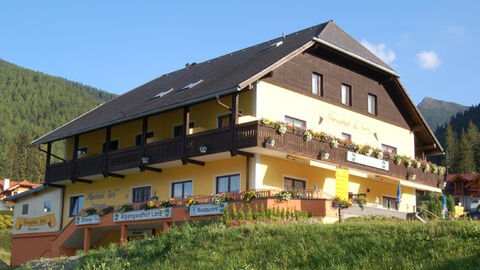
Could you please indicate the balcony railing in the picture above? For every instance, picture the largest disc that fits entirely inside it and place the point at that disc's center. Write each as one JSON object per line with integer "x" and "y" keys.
{"x": 252, "y": 134}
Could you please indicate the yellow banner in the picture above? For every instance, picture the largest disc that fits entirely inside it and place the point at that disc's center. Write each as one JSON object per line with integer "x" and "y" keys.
{"x": 39, "y": 221}
{"x": 341, "y": 190}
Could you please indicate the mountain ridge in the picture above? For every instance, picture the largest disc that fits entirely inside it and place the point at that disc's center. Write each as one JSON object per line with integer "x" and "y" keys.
{"x": 34, "y": 103}
{"x": 438, "y": 112}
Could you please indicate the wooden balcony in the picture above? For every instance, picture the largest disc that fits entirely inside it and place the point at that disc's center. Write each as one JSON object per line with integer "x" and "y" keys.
{"x": 216, "y": 140}
{"x": 250, "y": 135}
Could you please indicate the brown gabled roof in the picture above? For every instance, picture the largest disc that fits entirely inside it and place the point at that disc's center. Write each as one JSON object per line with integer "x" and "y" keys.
{"x": 467, "y": 177}
{"x": 219, "y": 76}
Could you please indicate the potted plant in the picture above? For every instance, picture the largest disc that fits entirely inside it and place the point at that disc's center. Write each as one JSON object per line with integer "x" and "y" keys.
{"x": 248, "y": 196}
{"x": 189, "y": 202}
{"x": 125, "y": 208}
{"x": 89, "y": 212}
{"x": 106, "y": 210}
{"x": 284, "y": 195}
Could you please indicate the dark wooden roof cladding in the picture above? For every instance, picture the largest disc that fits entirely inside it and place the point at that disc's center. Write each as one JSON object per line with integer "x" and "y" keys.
{"x": 393, "y": 104}
{"x": 225, "y": 75}
{"x": 296, "y": 75}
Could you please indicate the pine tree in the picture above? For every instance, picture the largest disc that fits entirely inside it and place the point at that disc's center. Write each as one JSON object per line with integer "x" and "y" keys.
{"x": 466, "y": 162}
{"x": 474, "y": 137}
{"x": 451, "y": 149}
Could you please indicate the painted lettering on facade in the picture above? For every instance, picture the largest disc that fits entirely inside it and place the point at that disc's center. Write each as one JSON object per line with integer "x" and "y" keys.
{"x": 38, "y": 221}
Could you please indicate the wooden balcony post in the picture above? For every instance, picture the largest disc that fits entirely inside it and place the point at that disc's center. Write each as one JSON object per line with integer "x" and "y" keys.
{"x": 186, "y": 122}
{"x": 86, "y": 239}
{"x": 49, "y": 152}
{"x": 106, "y": 149}
{"x": 74, "y": 157}
{"x": 143, "y": 141}
{"x": 166, "y": 224}
{"x": 123, "y": 234}
{"x": 233, "y": 124}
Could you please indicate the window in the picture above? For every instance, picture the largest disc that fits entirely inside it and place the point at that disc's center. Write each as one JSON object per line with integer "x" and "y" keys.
{"x": 293, "y": 183}
{"x": 389, "y": 202}
{"x": 113, "y": 146}
{"x": 372, "y": 104}
{"x": 76, "y": 204}
{"x": 141, "y": 194}
{"x": 24, "y": 209}
{"x": 138, "y": 138}
{"x": 317, "y": 84}
{"x": 81, "y": 151}
{"x": 346, "y": 95}
{"x": 228, "y": 183}
{"x": 458, "y": 188}
{"x": 178, "y": 129}
{"x": 182, "y": 189}
{"x": 223, "y": 121}
{"x": 346, "y": 136}
{"x": 47, "y": 206}
{"x": 389, "y": 149}
{"x": 296, "y": 122}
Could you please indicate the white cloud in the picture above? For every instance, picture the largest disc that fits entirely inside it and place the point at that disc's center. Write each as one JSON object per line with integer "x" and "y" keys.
{"x": 380, "y": 50}
{"x": 428, "y": 60}
{"x": 456, "y": 30}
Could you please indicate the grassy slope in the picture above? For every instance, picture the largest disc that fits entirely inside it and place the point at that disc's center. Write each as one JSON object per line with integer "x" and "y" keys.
{"x": 5, "y": 243}
{"x": 373, "y": 245}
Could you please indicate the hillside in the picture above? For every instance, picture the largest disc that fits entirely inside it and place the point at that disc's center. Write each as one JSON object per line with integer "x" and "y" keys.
{"x": 438, "y": 112}
{"x": 366, "y": 245}
{"x": 32, "y": 104}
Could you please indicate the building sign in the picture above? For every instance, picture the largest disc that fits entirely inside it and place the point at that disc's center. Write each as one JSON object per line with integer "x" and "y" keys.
{"x": 341, "y": 185}
{"x": 34, "y": 222}
{"x": 367, "y": 161}
{"x": 156, "y": 213}
{"x": 91, "y": 219}
{"x": 207, "y": 209}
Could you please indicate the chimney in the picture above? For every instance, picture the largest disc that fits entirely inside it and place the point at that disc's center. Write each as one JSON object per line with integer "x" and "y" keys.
{"x": 6, "y": 184}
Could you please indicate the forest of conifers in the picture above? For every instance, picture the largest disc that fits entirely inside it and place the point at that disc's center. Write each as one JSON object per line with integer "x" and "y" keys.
{"x": 31, "y": 105}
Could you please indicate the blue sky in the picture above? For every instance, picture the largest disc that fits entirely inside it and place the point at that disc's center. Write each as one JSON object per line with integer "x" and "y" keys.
{"x": 119, "y": 45}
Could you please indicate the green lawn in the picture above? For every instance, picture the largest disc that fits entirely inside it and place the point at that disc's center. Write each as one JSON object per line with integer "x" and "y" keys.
{"x": 376, "y": 244}
{"x": 5, "y": 245}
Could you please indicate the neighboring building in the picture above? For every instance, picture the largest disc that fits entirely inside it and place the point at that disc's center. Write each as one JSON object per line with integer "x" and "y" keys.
{"x": 10, "y": 188}
{"x": 207, "y": 129}
{"x": 465, "y": 188}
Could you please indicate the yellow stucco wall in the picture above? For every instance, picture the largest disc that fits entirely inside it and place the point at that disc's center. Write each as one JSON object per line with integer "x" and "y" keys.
{"x": 277, "y": 102}
{"x": 113, "y": 191}
{"x": 378, "y": 189}
{"x": 272, "y": 170}
{"x": 204, "y": 115}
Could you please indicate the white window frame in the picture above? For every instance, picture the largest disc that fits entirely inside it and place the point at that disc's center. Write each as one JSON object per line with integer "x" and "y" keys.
{"x": 141, "y": 186}
{"x": 226, "y": 174}
{"x": 170, "y": 186}
{"x": 69, "y": 200}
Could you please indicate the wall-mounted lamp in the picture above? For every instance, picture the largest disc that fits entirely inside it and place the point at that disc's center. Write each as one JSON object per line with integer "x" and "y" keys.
{"x": 411, "y": 176}
{"x": 145, "y": 160}
{"x": 368, "y": 190}
{"x": 203, "y": 149}
{"x": 269, "y": 141}
{"x": 324, "y": 155}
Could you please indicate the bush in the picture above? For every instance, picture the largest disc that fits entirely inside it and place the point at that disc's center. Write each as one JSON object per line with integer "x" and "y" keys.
{"x": 450, "y": 204}
{"x": 6, "y": 222}
{"x": 435, "y": 205}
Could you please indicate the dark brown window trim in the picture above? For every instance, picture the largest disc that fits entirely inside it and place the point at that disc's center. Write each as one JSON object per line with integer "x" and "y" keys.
{"x": 183, "y": 186}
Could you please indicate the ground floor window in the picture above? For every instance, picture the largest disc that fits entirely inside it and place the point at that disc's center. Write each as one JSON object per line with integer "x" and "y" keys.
{"x": 228, "y": 183}
{"x": 25, "y": 209}
{"x": 182, "y": 189}
{"x": 389, "y": 202}
{"x": 141, "y": 194}
{"x": 289, "y": 182}
{"x": 76, "y": 205}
